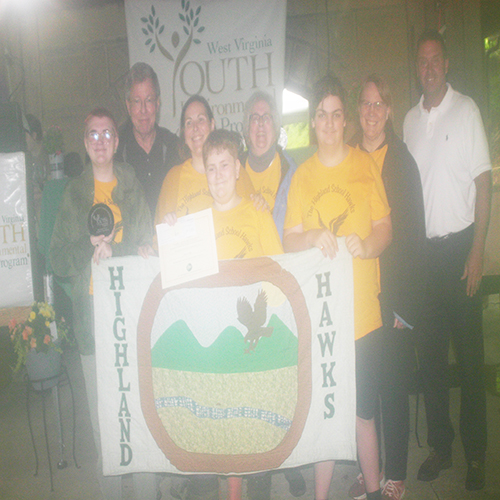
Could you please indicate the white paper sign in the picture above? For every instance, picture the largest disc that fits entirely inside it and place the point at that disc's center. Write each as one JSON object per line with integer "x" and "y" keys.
{"x": 223, "y": 50}
{"x": 187, "y": 249}
{"x": 15, "y": 252}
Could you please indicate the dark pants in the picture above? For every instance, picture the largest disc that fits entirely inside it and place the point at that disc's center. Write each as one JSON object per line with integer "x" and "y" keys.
{"x": 450, "y": 313}
{"x": 398, "y": 364}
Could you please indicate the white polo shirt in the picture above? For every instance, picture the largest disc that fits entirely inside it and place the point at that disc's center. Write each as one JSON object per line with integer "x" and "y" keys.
{"x": 450, "y": 147}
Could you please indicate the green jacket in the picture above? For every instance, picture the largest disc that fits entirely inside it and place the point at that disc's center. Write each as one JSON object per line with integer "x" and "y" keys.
{"x": 71, "y": 251}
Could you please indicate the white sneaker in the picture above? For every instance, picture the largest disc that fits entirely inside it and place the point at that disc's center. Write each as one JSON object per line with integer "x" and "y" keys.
{"x": 394, "y": 490}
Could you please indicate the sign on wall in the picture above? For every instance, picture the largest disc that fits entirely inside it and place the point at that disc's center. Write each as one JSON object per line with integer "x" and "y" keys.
{"x": 250, "y": 369}
{"x": 223, "y": 50}
{"x": 15, "y": 253}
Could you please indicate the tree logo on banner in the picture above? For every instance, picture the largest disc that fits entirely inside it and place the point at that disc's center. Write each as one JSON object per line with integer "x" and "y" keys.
{"x": 191, "y": 27}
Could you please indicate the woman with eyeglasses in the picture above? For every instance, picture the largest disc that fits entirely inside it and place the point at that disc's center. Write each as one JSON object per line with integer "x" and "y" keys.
{"x": 270, "y": 168}
{"x": 73, "y": 249}
{"x": 185, "y": 188}
{"x": 401, "y": 274}
{"x": 337, "y": 193}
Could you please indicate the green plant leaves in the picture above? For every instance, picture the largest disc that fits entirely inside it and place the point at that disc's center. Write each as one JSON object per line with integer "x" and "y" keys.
{"x": 175, "y": 39}
{"x": 188, "y": 16}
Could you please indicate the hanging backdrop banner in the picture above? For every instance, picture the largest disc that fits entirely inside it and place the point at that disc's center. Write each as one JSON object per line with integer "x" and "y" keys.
{"x": 251, "y": 369}
{"x": 223, "y": 50}
{"x": 15, "y": 254}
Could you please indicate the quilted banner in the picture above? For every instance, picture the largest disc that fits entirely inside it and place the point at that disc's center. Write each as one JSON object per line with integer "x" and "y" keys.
{"x": 248, "y": 370}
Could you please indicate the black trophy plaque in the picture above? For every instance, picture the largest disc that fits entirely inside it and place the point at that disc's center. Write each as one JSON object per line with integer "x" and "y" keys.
{"x": 101, "y": 220}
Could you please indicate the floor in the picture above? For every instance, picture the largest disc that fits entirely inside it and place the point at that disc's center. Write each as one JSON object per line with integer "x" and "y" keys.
{"x": 17, "y": 458}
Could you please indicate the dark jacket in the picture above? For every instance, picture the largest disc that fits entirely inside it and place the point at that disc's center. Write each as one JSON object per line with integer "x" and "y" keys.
{"x": 402, "y": 275}
{"x": 71, "y": 251}
{"x": 150, "y": 168}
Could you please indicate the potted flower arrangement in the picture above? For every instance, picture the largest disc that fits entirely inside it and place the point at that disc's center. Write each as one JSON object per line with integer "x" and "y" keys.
{"x": 53, "y": 144}
{"x": 37, "y": 343}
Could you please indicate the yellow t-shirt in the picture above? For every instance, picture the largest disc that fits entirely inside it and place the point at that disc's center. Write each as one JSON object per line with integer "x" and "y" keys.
{"x": 244, "y": 232}
{"x": 185, "y": 191}
{"x": 379, "y": 156}
{"x": 344, "y": 199}
{"x": 102, "y": 194}
{"x": 268, "y": 181}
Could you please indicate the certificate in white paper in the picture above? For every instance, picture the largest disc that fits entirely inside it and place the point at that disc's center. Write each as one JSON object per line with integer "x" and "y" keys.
{"x": 187, "y": 249}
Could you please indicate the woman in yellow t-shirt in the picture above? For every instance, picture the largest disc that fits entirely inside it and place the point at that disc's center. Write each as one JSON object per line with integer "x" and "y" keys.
{"x": 402, "y": 276}
{"x": 339, "y": 192}
{"x": 185, "y": 189}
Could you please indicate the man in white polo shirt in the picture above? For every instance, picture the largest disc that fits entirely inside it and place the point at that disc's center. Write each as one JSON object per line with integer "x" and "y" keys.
{"x": 445, "y": 134}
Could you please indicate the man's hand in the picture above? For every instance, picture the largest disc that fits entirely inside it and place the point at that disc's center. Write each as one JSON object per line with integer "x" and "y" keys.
{"x": 473, "y": 271}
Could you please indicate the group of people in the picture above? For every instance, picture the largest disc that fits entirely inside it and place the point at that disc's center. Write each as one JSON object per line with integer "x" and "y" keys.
{"x": 413, "y": 216}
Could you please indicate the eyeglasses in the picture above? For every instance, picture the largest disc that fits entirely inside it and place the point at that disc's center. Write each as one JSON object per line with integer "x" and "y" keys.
{"x": 105, "y": 136}
{"x": 257, "y": 119}
{"x": 376, "y": 106}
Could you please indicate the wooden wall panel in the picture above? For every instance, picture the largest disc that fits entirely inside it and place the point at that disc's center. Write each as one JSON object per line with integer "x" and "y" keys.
{"x": 74, "y": 59}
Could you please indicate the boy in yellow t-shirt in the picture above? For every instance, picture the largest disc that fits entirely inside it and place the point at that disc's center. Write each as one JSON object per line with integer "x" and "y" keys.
{"x": 240, "y": 230}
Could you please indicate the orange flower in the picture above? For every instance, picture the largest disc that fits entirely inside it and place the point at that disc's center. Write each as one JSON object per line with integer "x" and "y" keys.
{"x": 12, "y": 324}
{"x": 46, "y": 339}
{"x": 33, "y": 343}
{"x": 27, "y": 332}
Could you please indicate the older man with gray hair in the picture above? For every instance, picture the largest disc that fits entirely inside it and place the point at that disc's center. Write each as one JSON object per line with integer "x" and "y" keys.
{"x": 152, "y": 150}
